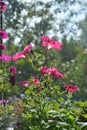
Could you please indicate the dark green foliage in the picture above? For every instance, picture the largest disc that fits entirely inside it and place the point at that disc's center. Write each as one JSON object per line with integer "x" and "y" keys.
{"x": 83, "y": 37}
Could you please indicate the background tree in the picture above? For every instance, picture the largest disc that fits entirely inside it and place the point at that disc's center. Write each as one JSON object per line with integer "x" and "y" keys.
{"x": 26, "y": 22}
{"x": 83, "y": 37}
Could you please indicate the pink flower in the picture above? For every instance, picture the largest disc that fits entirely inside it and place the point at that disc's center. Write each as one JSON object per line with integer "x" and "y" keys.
{"x": 59, "y": 75}
{"x": 3, "y": 34}
{"x": 24, "y": 83}
{"x": 13, "y": 70}
{"x": 50, "y": 43}
{"x": 18, "y": 56}
{"x": 71, "y": 88}
{"x": 56, "y": 44}
{"x": 51, "y": 71}
{"x": 27, "y": 48}
{"x": 43, "y": 70}
{"x": 2, "y": 47}
{"x": 54, "y": 72}
{"x": 4, "y": 101}
{"x": 5, "y": 57}
{"x": 2, "y": 6}
{"x": 35, "y": 81}
{"x": 22, "y": 54}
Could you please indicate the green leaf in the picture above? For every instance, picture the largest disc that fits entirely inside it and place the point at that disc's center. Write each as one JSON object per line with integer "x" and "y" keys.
{"x": 28, "y": 115}
{"x": 63, "y": 123}
{"x": 84, "y": 126}
{"x": 71, "y": 117}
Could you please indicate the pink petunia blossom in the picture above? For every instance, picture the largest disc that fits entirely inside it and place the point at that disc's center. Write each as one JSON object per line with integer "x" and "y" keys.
{"x": 3, "y": 34}
{"x": 35, "y": 81}
{"x": 2, "y": 6}
{"x": 2, "y": 47}
{"x": 54, "y": 72}
{"x": 56, "y": 44}
{"x": 50, "y": 43}
{"x": 27, "y": 49}
{"x": 51, "y": 71}
{"x": 13, "y": 70}
{"x": 5, "y": 57}
{"x": 71, "y": 88}
{"x": 59, "y": 75}
{"x": 24, "y": 83}
{"x": 43, "y": 70}
{"x": 18, "y": 56}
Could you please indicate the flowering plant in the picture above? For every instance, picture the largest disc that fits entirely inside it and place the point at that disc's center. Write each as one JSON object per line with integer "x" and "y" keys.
{"x": 2, "y": 6}
{"x": 44, "y": 104}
